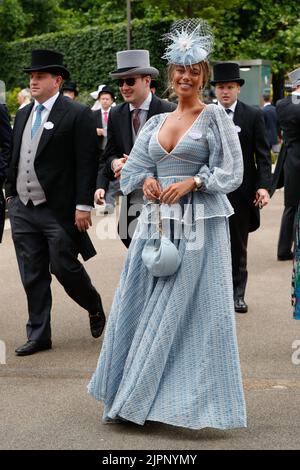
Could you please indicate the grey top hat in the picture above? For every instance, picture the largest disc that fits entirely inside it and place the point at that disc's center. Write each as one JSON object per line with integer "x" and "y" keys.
{"x": 133, "y": 62}
{"x": 294, "y": 76}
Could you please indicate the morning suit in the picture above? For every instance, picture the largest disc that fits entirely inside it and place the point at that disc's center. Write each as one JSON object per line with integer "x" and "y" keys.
{"x": 120, "y": 141}
{"x": 5, "y": 141}
{"x": 250, "y": 125}
{"x": 49, "y": 176}
{"x": 287, "y": 169}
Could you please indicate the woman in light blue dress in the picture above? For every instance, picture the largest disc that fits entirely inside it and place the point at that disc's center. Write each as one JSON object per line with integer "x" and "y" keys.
{"x": 170, "y": 350}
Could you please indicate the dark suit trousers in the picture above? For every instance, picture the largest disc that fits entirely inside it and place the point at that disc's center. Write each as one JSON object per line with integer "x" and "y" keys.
{"x": 239, "y": 224}
{"x": 287, "y": 231}
{"x": 44, "y": 247}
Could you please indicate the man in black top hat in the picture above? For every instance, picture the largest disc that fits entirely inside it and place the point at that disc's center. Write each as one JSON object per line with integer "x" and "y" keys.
{"x": 5, "y": 142}
{"x": 49, "y": 190}
{"x": 70, "y": 90}
{"x": 133, "y": 74}
{"x": 253, "y": 193}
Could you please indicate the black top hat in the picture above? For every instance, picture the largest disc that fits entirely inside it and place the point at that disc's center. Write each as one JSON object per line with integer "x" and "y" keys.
{"x": 70, "y": 86}
{"x": 43, "y": 60}
{"x": 225, "y": 72}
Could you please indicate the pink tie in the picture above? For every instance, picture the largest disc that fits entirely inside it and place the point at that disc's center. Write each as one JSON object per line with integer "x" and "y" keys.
{"x": 105, "y": 117}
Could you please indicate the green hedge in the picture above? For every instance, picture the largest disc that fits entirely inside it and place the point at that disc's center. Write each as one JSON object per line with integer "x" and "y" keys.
{"x": 90, "y": 54}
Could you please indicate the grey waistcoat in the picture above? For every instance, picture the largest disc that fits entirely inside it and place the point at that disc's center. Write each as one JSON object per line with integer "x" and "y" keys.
{"x": 28, "y": 186}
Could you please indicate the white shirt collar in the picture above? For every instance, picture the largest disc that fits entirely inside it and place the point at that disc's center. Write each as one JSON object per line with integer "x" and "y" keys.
{"x": 48, "y": 103}
{"x": 267, "y": 104}
{"x": 145, "y": 105}
{"x": 232, "y": 107}
{"x": 296, "y": 93}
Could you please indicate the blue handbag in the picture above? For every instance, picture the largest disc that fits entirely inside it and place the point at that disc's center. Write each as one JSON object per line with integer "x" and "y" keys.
{"x": 160, "y": 255}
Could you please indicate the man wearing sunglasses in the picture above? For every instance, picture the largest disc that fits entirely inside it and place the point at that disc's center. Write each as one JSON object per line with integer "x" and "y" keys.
{"x": 125, "y": 121}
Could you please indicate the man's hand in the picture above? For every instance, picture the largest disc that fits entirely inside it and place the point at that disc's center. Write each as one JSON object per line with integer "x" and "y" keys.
{"x": 175, "y": 191}
{"x": 83, "y": 220}
{"x": 151, "y": 189}
{"x": 262, "y": 198}
{"x": 118, "y": 164}
{"x": 100, "y": 131}
{"x": 99, "y": 196}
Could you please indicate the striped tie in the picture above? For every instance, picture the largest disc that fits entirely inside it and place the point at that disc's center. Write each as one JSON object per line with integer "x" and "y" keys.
{"x": 38, "y": 120}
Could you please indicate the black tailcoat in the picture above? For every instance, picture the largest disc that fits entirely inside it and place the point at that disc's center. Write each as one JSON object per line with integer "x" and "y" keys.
{"x": 250, "y": 124}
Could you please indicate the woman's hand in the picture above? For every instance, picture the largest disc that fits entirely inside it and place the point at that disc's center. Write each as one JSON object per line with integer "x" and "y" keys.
{"x": 151, "y": 189}
{"x": 171, "y": 194}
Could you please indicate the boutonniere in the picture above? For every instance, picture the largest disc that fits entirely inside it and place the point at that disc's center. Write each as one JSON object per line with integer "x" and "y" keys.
{"x": 238, "y": 129}
{"x": 48, "y": 125}
{"x": 195, "y": 135}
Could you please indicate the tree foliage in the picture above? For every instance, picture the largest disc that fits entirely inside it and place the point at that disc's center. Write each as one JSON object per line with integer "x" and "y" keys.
{"x": 244, "y": 29}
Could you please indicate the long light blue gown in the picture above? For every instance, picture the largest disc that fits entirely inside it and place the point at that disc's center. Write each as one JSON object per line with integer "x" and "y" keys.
{"x": 170, "y": 350}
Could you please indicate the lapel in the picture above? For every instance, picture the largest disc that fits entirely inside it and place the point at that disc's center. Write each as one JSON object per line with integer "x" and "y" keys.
{"x": 154, "y": 107}
{"x": 240, "y": 121}
{"x": 238, "y": 117}
{"x": 57, "y": 112}
{"x": 98, "y": 118}
{"x": 20, "y": 122}
{"x": 125, "y": 128}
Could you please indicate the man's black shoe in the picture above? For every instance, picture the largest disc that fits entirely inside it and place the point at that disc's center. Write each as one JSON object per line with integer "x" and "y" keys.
{"x": 32, "y": 347}
{"x": 285, "y": 257}
{"x": 97, "y": 321}
{"x": 240, "y": 306}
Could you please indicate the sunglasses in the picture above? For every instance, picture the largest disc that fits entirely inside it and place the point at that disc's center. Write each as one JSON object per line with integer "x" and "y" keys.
{"x": 129, "y": 81}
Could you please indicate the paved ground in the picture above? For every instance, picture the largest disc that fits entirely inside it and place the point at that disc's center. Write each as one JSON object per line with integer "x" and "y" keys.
{"x": 44, "y": 404}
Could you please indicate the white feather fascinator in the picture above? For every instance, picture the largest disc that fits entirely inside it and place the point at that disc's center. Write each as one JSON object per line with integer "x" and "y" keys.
{"x": 189, "y": 41}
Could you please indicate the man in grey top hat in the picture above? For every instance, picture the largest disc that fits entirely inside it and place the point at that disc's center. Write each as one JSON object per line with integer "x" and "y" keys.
{"x": 50, "y": 189}
{"x": 287, "y": 171}
{"x": 125, "y": 121}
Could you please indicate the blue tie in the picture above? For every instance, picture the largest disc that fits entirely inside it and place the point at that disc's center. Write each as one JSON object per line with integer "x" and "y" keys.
{"x": 38, "y": 119}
